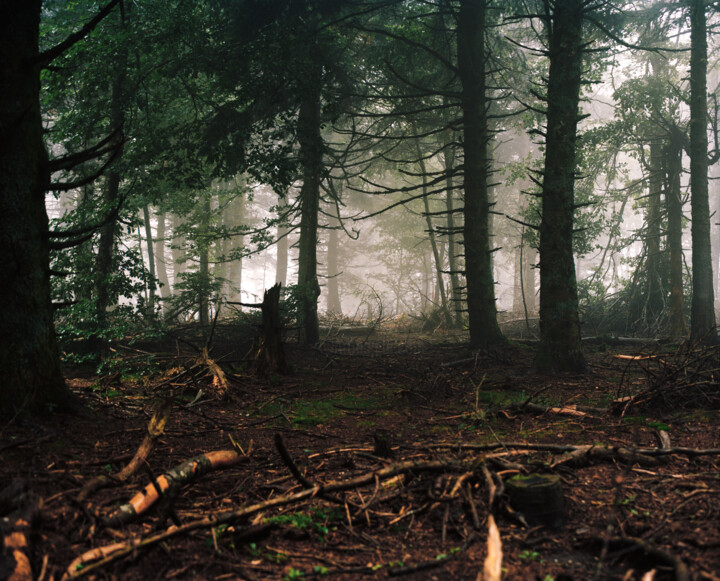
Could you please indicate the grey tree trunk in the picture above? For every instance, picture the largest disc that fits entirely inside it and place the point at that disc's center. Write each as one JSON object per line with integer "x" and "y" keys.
{"x": 560, "y": 349}
{"x": 482, "y": 310}
{"x": 29, "y": 357}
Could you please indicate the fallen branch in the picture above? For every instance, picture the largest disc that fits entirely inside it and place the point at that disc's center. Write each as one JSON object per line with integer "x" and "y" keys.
{"x": 154, "y": 430}
{"x": 560, "y": 449}
{"x": 182, "y": 474}
{"x": 83, "y": 565}
{"x": 492, "y": 568}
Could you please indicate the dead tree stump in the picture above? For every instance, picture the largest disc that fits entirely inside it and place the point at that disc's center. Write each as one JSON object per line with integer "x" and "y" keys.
{"x": 270, "y": 354}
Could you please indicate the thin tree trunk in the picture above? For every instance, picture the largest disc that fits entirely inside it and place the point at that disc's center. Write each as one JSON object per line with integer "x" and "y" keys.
{"x": 151, "y": 261}
{"x": 673, "y": 199}
{"x": 283, "y": 246}
{"x": 160, "y": 263}
{"x": 482, "y": 310}
{"x": 702, "y": 321}
{"x": 203, "y": 245}
{"x": 29, "y": 357}
{"x": 334, "y": 306}
{"x": 654, "y": 304}
{"x": 177, "y": 249}
{"x": 560, "y": 349}
{"x": 437, "y": 261}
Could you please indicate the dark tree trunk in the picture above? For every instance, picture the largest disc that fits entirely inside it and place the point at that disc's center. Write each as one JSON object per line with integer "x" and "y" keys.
{"x": 673, "y": 200}
{"x": 29, "y": 358}
{"x": 311, "y": 154}
{"x": 105, "y": 259}
{"x": 560, "y": 349}
{"x": 482, "y": 310}
{"x": 702, "y": 320}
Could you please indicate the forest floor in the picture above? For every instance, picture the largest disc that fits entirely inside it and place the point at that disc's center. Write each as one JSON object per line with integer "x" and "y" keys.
{"x": 376, "y": 458}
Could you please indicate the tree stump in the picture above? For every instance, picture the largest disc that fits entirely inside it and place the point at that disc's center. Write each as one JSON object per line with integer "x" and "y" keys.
{"x": 270, "y": 355}
{"x": 539, "y": 498}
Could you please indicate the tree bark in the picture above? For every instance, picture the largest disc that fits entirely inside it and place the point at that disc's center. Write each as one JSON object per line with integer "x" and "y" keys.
{"x": 673, "y": 200}
{"x": 311, "y": 154}
{"x": 702, "y": 320}
{"x": 482, "y": 310}
{"x": 560, "y": 349}
{"x": 29, "y": 357}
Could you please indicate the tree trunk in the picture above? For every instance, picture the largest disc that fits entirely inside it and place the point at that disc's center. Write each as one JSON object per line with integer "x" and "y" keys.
{"x": 524, "y": 280}
{"x": 560, "y": 349}
{"x": 654, "y": 302}
{"x": 203, "y": 245}
{"x": 453, "y": 266}
{"x": 673, "y": 200}
{"x": 482, "y": 310}
{"x": 334, "y": 306}
{"x": 702, "y": 320}
{"x": 104, "y": 261}
{"x": 160, "y": 264}
{"x": 437, "y": 260}
{"x": 151, "y": 261}
{"x": 311, "y": 154}
{"x": 177, "y": 249}
{"x": 29, "y": 357}
{"x": 232, "y": 270}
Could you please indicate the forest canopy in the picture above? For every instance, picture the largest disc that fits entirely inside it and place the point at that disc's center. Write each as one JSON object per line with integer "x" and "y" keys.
{"x": 462, "y": 162}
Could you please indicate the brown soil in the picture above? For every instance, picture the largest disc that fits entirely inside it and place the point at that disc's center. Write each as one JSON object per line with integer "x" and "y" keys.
{"x": 625, "y": 514}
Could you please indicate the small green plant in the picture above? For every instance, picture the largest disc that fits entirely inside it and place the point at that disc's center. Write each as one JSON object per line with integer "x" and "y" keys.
{"x": 527, "y": 555}
{"x": 293, "y": 574}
